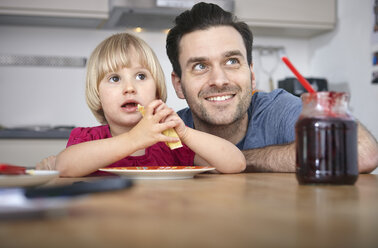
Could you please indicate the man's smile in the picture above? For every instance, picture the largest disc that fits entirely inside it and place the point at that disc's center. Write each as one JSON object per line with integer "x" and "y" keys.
{"x": 219, "y": 98}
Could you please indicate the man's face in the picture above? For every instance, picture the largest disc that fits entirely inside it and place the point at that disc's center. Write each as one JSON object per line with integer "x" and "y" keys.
{"x": 216, "y": 78}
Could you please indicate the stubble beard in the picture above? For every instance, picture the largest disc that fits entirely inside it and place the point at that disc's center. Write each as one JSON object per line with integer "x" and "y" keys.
{"x": 220, "y": 118}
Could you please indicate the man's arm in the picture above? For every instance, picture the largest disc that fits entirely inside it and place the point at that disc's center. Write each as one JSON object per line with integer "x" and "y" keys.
{"x": 367, "y": 150}
{"x": 277, "y": 158}
{"x": 281, "y": 158}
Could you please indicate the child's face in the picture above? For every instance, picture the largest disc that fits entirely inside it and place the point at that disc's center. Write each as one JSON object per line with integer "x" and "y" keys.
{"x": 121, "y": 91}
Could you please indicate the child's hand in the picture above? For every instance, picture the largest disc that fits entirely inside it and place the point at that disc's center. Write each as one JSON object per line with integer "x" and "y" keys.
{"x": 149, "y": 129}
{"x": 180, "y": 127}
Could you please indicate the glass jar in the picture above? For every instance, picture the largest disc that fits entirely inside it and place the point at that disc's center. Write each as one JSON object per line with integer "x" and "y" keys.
{"x": 326, "y": 140}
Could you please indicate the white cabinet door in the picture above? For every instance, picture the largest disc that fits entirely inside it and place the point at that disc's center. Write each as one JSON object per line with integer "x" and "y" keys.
{"x": 58, "y": 8}
{"x": 307, "y": 16}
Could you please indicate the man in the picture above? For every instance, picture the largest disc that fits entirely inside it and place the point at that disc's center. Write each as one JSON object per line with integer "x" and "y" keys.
{"x": 211, "y": 56}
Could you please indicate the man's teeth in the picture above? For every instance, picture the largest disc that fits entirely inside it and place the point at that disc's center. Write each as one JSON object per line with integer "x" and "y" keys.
{"x": 219, "y": 98}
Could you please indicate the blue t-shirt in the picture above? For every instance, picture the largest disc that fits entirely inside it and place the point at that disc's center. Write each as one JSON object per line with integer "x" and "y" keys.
{"x": 271, "y": 119}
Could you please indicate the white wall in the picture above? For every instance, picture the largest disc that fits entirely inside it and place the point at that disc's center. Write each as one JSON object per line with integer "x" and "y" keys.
{"x": 270, "y": 63}
{"x": 55, "y": 96}
{"x": 344, "y": 57}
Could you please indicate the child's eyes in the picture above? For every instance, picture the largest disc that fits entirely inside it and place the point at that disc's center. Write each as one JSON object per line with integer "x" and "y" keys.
{"x": 114, "y": 79}
{"x": 141, "y": 76}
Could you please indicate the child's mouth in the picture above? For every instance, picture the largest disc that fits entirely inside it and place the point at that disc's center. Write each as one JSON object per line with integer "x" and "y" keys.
{"x": 130, "y": 107}
{"x": 130, "y": 104}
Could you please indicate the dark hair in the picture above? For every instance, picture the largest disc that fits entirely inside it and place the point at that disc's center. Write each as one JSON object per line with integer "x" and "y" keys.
{"x": 203, "y": 16}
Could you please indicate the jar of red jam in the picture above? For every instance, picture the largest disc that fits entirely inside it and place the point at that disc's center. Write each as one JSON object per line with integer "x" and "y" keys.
{"x": 326, "y": 140}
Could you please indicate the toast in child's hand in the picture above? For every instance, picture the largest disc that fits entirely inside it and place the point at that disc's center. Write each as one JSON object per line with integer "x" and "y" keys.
{"x": 169, "y": 132}
{"x": 141, "y": 109}
{"x": 172, "y": 133}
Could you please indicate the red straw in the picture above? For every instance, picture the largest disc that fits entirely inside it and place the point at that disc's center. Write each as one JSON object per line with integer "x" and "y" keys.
{"x": 300, "y": 78}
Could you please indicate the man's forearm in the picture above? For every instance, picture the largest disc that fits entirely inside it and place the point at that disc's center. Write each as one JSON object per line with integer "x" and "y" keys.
{"x": 278, "y": 158}
{"x": 281, "y": 158}
{"x": 367, "y": 150}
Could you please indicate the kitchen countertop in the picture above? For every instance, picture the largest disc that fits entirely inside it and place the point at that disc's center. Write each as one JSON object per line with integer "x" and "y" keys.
{"x": 235, "y": 210}
{"x": 36, "y": 132}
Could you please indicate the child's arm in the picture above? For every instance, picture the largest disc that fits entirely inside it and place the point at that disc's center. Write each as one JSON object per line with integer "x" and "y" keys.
{"x": 87, "y": 157}
{"x": 210, "y": 149}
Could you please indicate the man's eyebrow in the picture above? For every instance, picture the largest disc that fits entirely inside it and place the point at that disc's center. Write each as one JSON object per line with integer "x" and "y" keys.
{"x": 202, "y": 59}
{"x": 233, "y": 53}
{"x": 196, "y": 60}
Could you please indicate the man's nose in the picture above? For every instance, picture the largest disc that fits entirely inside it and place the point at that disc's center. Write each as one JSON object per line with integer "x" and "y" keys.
{"x": 218, "y": 76}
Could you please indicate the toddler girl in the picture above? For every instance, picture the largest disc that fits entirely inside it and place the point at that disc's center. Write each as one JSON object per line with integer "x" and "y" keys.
{"x": 123, "y": 72}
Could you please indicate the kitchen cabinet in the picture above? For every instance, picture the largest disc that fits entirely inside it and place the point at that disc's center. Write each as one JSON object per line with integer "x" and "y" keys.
{"x": 298, "y": 18}
{"x": 28, "y": 152}
{"x": 83, "y": 13}
{"x": 289, "y": 18}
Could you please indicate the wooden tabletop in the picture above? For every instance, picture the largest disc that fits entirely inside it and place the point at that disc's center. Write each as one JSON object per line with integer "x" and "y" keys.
{"x": 241, "y": 210}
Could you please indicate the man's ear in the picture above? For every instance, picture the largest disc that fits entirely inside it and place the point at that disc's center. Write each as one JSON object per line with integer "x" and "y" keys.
{"x": 253, "y": 77}
{"x": 176, "y": 81}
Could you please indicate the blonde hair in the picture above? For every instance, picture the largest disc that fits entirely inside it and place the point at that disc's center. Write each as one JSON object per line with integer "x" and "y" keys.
{"x": 111, "y": 55}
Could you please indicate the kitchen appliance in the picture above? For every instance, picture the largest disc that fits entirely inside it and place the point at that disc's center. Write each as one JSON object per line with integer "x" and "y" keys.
{"x": 292, "y": 85}
{"x": 152, "y": 14}
{"x": 99, "y": 14}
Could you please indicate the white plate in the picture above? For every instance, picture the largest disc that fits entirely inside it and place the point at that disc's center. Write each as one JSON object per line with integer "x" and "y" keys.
{"x": 32, "y": 178}
{"x": 159, "y": 172}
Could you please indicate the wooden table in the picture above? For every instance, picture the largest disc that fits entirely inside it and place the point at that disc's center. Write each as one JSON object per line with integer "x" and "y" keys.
{"x": 241, "y": 210}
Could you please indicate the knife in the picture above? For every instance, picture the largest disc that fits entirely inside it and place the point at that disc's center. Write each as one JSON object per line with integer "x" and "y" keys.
{"x": 79, "y": 188}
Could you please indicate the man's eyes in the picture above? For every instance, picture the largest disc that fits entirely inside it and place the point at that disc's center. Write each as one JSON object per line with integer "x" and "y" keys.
{"x": 199, "y": 67}
{"x": 232, "y": 61}
{"x": 202, "y": 66}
